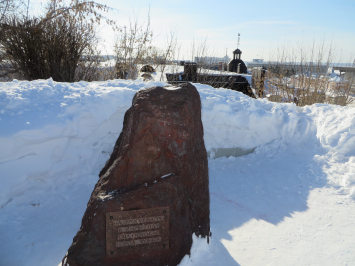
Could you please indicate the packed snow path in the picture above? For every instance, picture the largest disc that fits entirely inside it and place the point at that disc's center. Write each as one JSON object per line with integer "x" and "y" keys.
{"x": 290, "y": 202}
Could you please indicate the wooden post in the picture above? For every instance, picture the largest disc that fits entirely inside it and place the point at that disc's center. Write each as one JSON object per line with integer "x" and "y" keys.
{"x": 258, "y": 79}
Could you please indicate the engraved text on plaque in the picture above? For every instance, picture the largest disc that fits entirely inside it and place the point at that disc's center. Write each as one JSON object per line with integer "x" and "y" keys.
{"x": 130, "y": 232}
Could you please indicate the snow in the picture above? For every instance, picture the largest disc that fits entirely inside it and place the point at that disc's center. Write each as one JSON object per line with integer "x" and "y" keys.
{"x": 290, "y": 202}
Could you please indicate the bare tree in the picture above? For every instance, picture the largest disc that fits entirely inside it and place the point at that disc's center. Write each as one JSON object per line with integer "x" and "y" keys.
{"x": 8, "y": 7}
{"x": 54, "y": 45}
{"x": 132, "y": 48}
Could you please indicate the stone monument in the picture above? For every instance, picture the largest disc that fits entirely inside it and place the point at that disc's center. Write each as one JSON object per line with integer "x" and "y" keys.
{"x": 153, "y": 193}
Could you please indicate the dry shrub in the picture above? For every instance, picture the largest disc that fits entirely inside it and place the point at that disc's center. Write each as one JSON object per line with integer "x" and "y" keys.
{"x": 61, "y": 44}
{"x": 301, "y": 76}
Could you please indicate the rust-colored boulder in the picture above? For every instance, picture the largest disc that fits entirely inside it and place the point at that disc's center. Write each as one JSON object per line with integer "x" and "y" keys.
{"x": 159, "y": 162}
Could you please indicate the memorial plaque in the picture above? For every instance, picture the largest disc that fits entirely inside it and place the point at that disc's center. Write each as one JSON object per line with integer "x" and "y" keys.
{"x": 124, "y": 222}
{"x": 138, "y": 231}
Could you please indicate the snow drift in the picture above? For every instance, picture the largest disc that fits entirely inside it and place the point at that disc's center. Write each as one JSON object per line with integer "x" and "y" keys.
{"x": 56, "y": 137}
{"x": 51, "y": 129}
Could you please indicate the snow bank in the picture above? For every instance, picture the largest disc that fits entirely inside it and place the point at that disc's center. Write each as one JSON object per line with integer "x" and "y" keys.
{"x": 336, "y": 133}
{"x": 51, "y": 132}
{"x": 234, "y": 120}
{"x": 56, "y": 137}
{"x": 34, "y": 105}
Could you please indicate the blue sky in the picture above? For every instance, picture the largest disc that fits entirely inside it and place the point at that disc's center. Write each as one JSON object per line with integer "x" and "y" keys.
{"x": 266, "y": 27}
